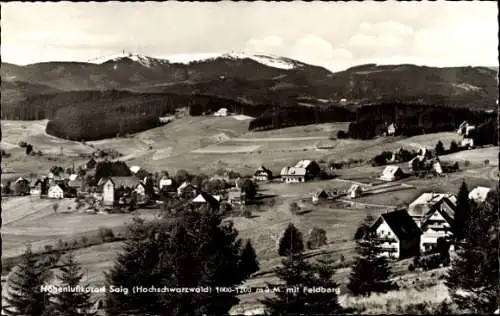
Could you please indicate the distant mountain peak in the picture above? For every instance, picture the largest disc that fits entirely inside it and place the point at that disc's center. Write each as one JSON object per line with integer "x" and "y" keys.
{"x": 265, "y": 59}
{"x": 139, "y": 58}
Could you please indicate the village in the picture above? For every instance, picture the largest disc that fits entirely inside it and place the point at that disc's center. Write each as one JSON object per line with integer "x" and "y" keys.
{"x": 415, "y": 228}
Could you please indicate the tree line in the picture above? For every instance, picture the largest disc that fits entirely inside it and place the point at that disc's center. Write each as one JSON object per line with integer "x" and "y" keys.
{"x": 279, "y": 117}
{"x": 412, "y": 119}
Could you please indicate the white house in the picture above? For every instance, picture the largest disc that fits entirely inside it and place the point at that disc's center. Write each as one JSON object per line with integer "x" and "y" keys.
{"x": 391, "y": 173}
{"x": 303, "y": 171}
{"x": 135, "y": 169}
{"x": 391, "y": 129}
{"x": 108, "y": 193}
{"x": 320, "y": 195}
{"x": 205, "y": 198}
{"x": 221, "y": 112}
{"x": 438, "y": 223}
{"x": 467, "y": 142}
{"x": 479, "y": 194}
{"x": 426, "y": 202}
{"x": 56, "y": 192}
{"x": 73, "y": 177}
{"x": 465, "y": 128}
{"x": 165, "y": 182}
{"x": 355, "y": 191}
{"x": 263, "y": 174}
{"x": 399, "y": 235}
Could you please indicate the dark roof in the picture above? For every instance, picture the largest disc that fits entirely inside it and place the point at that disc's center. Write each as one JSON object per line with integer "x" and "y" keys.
{"x": 263, "y": 169}
{"x": 130, "y": 181}
{"x": 401, "y": 224}
{"x": 446, "y": 214}
{"x": 209, "y": 199}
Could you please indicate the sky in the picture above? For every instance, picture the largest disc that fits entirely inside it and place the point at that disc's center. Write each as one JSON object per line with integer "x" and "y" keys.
{"x": 335, "y": 35}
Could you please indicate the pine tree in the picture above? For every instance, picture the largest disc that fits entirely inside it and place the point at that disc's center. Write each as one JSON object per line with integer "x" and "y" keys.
{"x": 134, "y": 267}
{"x": 370, "y": 271}
{"x": 71, "y": 303}
{"x": 462, "y": 212}
{"x": 25, "y": 296}
{"x": 440, "y": 148}
{"x": 363, "y": 228}
{"x": 203, "y": 252}
{"x": 473, "y": 276}
{"x": 248, "y": 260}
{"x": 291, "y": 242}
{"x": 298, "y": 277}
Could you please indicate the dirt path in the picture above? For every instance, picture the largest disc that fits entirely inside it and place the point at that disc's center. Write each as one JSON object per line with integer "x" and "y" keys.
{"x": 279, "y": 139}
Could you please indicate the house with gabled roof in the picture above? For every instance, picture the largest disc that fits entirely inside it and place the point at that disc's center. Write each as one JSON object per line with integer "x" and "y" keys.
{"x": 111, "y": 185}
{"x": 187, "y": 189}
{"x": 354, "y": 191}
{"x": 436, "y": 224}
{"x": 479, "y": 194}
{"x": 208, "y": 199}
{"x": 399, "y": 234}
{"x": 263, "y": 174}
{"x": 303, "y": 171}
{"x": 60, "y": 191}
{"x": 320, "y": 196}
{"x": 426, "y": 202}
{"x": 236, "y": 197}
{"x": 392, "y": 173}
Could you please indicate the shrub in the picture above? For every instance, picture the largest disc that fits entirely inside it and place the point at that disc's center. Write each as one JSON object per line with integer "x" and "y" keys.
{"x": 106, "y": 234}
{"x": 411, "y": 267}
{"x": 247, "y": 212}
{"x": 294, "y": 208}
{"x": 341, "y": 135}
{"x": 84, "y": 240}
{"x": 467, "y": 163}
{"x": 317, "y": 238}
{"x": 48, "y": 248}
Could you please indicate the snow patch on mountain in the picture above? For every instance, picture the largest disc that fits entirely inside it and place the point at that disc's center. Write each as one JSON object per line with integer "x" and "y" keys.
{"x": 141, "y": 59}
{"x": 268, "y": 60}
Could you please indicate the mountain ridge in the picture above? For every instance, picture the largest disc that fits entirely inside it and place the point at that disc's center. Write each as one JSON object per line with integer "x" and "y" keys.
{"x": 258, "y": 78}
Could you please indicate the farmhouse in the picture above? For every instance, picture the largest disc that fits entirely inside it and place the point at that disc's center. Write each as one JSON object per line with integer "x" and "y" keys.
{"x": 427, "y": 202}
{"x": 60, "y": 190}
{"x": 135, "y": 169}
{"x": 208, "y": 199}
{"x": 392, "y": 173}
{"x": 465, "y": 128}
{"x": 467, "y": 142}
{"x": 186, "y": 188}
{"x": 21, "y": 186}
{"x": 304, "y": 170}
{"x": 140, "y": 192}
{"x": 236, "y": 197}
{"x": 354, "y": 191}
{"x": 165, "y": 183}
{"x": 400, "y": 235}
{"x": 391, "y": 129}
{"x": 263, "y": 174}
{"x": 221, "y": 112}
{"x": 111, "y": 187}
{"x": 320, "y": 196}
{"x": 479, "y": 194}
{"x": 437, "y": 223}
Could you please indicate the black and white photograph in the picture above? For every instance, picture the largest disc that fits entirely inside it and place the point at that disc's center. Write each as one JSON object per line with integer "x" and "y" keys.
{"x": 249, "y": 158}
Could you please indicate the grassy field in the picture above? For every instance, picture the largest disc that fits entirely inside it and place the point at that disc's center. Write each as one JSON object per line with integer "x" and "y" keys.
{"x": 33, "y": 220}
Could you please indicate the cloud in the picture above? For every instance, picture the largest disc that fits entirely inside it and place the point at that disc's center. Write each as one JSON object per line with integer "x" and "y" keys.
{"x": 267, "y": 44}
